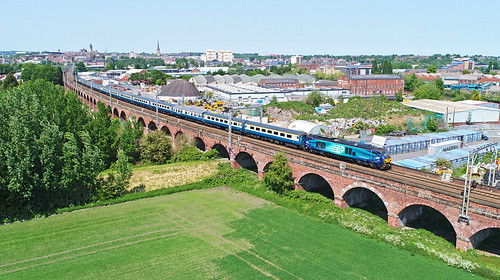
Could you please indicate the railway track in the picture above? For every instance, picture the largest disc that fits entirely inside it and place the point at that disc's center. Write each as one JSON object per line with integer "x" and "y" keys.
{"x": 483, "y": 195}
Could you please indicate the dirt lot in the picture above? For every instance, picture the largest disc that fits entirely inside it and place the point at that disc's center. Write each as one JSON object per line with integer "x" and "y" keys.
{"x": 169, "y": 175}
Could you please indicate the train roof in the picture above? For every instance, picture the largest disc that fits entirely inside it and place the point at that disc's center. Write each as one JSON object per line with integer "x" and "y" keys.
{"x": 223, "y": 116}
{"x": 287, "y": 130}
{"x": 346, "y": 142}
{"x": 191, "y": 109}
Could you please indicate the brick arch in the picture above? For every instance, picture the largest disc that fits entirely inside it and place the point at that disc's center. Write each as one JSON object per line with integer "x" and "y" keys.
{"x": 152, "y": 126}
{"x": 123, "y": 115}
{"x": 223, "y": 152}
{"x": 247, "y": 161}
{"x": 313, "y": 182}
{"x": 451, "y": 223}
{"x": 451, "y": 218}
{"x": 362, "y": 197}
{"x": 482, "y": 227}
{"x": 166, "y": 130}
{"x": 266, "y": 167}
{"x": 364, "y": 186}
{"x": 115, "y": 112}
{"x": 199, "y": 143}
{"x": 178, "y": 133}
{"x": 141, "y": 121}
{"x": 476, "y": 238}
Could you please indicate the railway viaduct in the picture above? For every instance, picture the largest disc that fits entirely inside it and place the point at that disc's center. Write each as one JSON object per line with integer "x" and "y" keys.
{"x": 399, "y": 200}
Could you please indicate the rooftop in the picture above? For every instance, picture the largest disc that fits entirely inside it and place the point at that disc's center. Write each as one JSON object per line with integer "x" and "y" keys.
{"x": 442, "y": 107}
{"x": 376, "y": 77}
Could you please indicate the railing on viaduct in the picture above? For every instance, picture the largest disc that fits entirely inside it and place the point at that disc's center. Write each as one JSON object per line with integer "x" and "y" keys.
{"x": 401, "y": 199}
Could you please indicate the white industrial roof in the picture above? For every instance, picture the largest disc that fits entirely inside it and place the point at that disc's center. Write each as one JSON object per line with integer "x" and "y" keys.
{"x": 308, "y": 127}
{"x": 442, "y": 107}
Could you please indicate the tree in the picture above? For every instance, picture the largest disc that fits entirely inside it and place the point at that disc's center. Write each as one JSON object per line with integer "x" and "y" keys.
{"x": 439, "y": 84}
{"x": 104, "y": 133}
{"x": 110, "y": 66}
{"x": 274, "y": 100}
{"x": 48, "y": 73}
{"x": 399, "y": 96}
{"x": 427, "y": 91}
{"x": 465, "y": 72}
{"x": 129, "y": 139}
{"x": 181, "y": 63}
{"x": 386, "y": 66}
{"x": 156, "y": 148}
{"x": 124, "y": 170}
{"x": 314, "y": 98}
{"x": 80, "y": 67}
{"x": 279, "y": 177}
{"x": 375, "y": 67}
{"x": 9, "y": 82}
{"x": 431, "y": 125}
{"x": 412, "y": 82}
{"x": 432, "y": 69}
{"x": 158, "y": 75}
{"x": 46, "y": 160}
{"x": 475, "y": 95}
{"x": 116, "y": 182}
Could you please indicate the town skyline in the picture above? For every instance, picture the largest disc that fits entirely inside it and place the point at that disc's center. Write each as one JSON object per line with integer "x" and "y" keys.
{"x": 292, "y": 27}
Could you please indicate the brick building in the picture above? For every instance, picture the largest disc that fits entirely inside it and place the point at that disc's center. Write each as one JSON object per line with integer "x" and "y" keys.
{"x": 366, "y": 85}
{"x": 469, "y": 79}
{"x": 280, "y": 83}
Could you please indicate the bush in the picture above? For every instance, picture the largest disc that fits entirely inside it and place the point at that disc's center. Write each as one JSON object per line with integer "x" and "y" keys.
{"x": 314, "y": 98}
{"x": 191, "y": 153}
{"x": 156, "y": 148}
{"x": 443, "y": 162}
{"x": 432, "y": 125}
{"x": 279, "y": 177}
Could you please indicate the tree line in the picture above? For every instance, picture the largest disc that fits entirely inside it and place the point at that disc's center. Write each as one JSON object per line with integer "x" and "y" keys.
{"x": 54, "y": 149}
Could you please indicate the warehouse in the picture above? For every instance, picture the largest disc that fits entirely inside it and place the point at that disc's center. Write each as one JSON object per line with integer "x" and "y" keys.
{"x": 422, "y": 142}
{"x": 457, "y": 113}
{"x": 455, "y": 157}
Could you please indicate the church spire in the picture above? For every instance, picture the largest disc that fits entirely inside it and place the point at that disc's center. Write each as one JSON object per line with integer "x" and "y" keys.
{"x": 158, "y": 49}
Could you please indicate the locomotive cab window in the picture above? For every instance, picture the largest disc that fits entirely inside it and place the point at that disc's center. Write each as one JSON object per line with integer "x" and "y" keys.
{"x": 320, "y": 145}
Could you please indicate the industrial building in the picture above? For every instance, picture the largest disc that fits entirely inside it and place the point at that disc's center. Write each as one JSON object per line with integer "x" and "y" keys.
{"x": 254, "y": 94}
{"x": 455, "y": 157}
{"x": 368, "y": 85}
{"x": 422, "y": 142}
{"x": 456, "y": 113}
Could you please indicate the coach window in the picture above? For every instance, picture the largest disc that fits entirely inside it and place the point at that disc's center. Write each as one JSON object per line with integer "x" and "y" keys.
{"x": 275, "y": 133}
{"x": 257, "y": 128}
{"x": 288, "y": 136}
{"x": 282, "y": 134}
{"x": 251, "y": 127}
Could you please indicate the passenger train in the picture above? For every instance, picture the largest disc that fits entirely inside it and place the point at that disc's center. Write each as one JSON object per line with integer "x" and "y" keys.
{"x": 362, "y": 154}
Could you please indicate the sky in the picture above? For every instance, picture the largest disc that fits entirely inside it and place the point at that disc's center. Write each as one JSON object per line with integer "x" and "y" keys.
{"x": 349, "y": 27}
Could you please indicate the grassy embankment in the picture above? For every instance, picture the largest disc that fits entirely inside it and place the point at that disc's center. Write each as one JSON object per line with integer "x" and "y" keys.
{"x": 372, "y": 108}
{"x": 221, "y": 233}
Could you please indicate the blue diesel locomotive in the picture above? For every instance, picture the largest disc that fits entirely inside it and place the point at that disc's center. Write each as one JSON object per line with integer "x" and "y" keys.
{"x": 362, "y": 154}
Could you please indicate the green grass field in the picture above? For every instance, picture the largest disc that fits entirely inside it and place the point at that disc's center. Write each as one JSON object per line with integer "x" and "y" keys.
{"x": 204, "y": 234}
